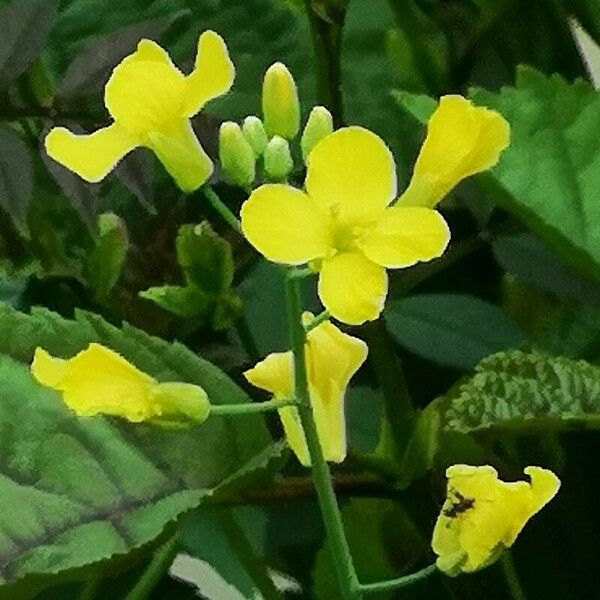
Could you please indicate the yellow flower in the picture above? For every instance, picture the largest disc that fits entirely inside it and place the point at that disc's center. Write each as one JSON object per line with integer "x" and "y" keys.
{"x": 461, "y": 140}
{"x": 483, "y": 515}
{"x": 151, "y": 103}
{"x": 332, "y": 358}
{"x": 100, "y": 381}
{"x": 344, "y": 224}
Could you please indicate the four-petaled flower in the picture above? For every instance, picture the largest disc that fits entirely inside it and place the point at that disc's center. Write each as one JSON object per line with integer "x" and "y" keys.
{"x": 332, "y": 358}
{"x": 151, "y": 103}
{"x": 100, "y": 381}
{"x": 483, "y": 515}
{"x": 344, "y": 224}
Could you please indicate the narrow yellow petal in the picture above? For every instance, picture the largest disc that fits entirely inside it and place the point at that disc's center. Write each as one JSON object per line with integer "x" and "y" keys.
{"x": 285, "y": 225}
{"x": 352, "y": 288}
{"x": 461, "y": 140}
{"x": 48, "y": 370}
{"x": 213, "y": 74}
{"x": 405, "y": 236}
{"x": 182, "y": 155}
{"x": 274, "y": 374}
{"x": 333, "y": 358}
{"x": 98, "y": 381}
{"x": 294, "y": 434}
{"x": 92, "y": 156}
{"x": 353, "y": 172}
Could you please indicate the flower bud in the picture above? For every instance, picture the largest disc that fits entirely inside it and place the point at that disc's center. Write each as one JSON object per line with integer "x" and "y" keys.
{"x": 319, "y": 125}
{"x": 254, "y": 132}
{"x": 280, "y": 104}
{"x": 236, "y": 155}
{"x": 180, "y": 403}
{"x": 278, "y": 159}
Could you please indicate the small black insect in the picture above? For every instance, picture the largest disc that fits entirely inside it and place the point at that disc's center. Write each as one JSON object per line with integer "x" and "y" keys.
{"x": 460, "y": 506}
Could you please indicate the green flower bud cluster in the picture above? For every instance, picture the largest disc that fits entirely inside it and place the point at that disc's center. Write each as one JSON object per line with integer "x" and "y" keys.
{"x": 266, "y": 143}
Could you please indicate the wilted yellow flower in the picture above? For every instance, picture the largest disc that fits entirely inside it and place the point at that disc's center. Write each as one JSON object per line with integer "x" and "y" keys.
{"x": 483, "y": 515}
{"x": 332, "y": 358}
{"x": 344, "y": 224}
{"x": 100, "y": 381}
{"x": 151, "y": 103}
{"x": 462, "y": 140}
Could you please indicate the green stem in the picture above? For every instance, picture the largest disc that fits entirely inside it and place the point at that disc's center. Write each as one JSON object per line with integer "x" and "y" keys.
{"x": 324, "y": 316}
{"x": 247, "y": 408}
{"x": 327, "y": 42}
{"x": 222, "y": 208}
{"x": 388, "y": 372}
{"x": 336, "y": 537}
{"x": 254, "y": 566}
{"x": 400, "y": 582}
{"x": 159, "y": 565}
{"x": 512, "y": 578}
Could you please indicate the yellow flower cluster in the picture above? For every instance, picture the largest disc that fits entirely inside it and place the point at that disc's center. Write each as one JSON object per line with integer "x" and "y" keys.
{"x": 348, "y": 223}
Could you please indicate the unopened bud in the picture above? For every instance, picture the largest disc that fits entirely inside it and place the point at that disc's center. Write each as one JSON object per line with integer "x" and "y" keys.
{"x": 280, "y": 104}
{"x": 318, "y": 126}
{"x": 181, "y": 403}
{"x": 236, "y": 155}
{"x": 278, "y": 159}
{"x": 254, "y": 132}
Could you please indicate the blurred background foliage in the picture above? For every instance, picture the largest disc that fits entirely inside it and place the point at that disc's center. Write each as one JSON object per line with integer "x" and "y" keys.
{"x": 522, "y": 272}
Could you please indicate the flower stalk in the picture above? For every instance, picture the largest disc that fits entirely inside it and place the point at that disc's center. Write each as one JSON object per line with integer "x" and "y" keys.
{"x": 338, "y": 544}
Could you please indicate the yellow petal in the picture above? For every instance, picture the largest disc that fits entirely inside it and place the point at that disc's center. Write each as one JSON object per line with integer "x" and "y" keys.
{"x": 352, "y": 171}
{"x": 294, "y": 433}
{"x": 405, "y": 236}
{"x": 92, "y": 156}
{"x": 484, "y": 515}
{"x": 274, "y": 374}
{"x": 461, "y": 140}
{"x": 212, "y": 76}
{"x": 285, "y": 225}
{"x": 99, "y": 381}
{"x": 352, "y": 288}
{"x": 182, "y": 155}
{"x": 145, "y": 96}
{"x": 48, "y": 370}
{"x": 333, "y": 358}
{"x": 150, "y": 51}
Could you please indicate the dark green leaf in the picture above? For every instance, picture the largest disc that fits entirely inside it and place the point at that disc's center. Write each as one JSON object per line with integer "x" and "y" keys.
{"x": 451, "y": 329}
{"x": 523, "y": 392}
{"x": 16, "y": 177}
{"x": 25, "y": 28}
{"x": 106, "y": 260}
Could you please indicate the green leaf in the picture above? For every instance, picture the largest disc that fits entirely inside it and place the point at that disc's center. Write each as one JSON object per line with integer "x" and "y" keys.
{"x": 549, "y": 175}
{"x": 76, "y": 491}
{"x": 451, "y": 329}
{"x": 106, "y": 259}
{"x": 532, "y": 263}
{"x": 524, "y": 392}
{"x": 419, "y": 106}
{"x": 205, "y": 257}
{"x": 207, "y": 263}
{"x": 185, "y": 302}
{"x": 16, "y": 176}
{"x": 25, "y": 28}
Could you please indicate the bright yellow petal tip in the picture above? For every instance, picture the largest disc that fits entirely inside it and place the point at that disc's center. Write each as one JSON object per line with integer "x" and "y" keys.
{"x": 98, "y": 381}
{"x": 483, "y": 515}
{"x": 333, "y": 357}
{"x": 151, "y": 102}
{"x": 462, "y": 140}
